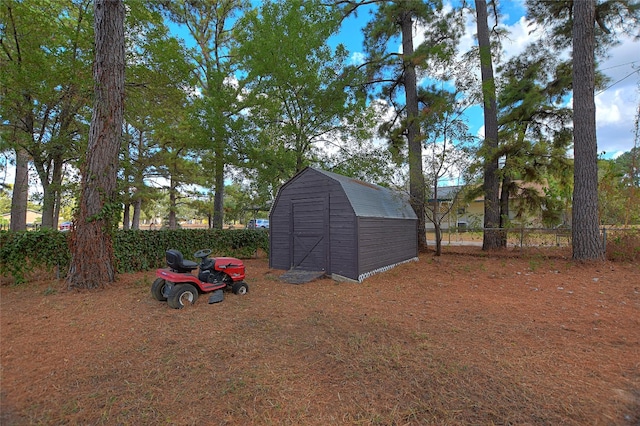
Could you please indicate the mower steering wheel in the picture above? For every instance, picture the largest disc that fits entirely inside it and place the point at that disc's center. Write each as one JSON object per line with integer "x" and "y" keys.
{"x": 201, "y": 254}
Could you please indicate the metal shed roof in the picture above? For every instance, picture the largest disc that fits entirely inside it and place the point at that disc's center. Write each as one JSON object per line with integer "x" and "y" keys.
{"x": 369, "y": 200}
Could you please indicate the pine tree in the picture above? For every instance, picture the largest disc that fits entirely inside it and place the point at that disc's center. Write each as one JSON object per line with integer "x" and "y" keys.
{"x": 93, "y": 263}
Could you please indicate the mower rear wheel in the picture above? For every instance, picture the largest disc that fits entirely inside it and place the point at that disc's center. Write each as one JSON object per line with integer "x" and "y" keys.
{"x": 240, "y": 288}
{"x": 182, "y": 295}
{"x": 157, "y": 289}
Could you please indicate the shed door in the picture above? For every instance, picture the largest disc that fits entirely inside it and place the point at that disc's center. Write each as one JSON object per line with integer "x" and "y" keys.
{"x": 308, "y": 233}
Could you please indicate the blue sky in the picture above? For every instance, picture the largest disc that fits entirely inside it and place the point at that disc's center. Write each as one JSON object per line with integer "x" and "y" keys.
{"x": 616, "y": 106}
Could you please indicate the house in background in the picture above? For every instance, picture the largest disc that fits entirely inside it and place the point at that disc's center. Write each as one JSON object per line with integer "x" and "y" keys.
{"x": 33, "y": 218}
{"x": 456, "y": 213}
{"x": 459, "y": 213}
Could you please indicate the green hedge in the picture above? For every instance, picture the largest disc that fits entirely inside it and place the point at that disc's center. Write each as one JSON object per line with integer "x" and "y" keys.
{"x": 22, "y": 252}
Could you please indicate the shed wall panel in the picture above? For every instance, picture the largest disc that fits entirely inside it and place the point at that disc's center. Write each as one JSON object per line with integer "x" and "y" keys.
{"x": 279, "y": 222}
{"x": 383, "y": 242}
{"x": 343, "y": 234}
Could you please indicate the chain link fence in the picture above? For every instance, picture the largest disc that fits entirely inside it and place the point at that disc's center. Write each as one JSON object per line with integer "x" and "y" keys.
{"x": 523, "y": 237}
{"x": 532, "y": 237}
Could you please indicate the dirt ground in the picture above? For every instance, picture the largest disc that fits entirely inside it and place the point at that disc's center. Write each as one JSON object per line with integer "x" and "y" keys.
{"x": 513, "y": 338}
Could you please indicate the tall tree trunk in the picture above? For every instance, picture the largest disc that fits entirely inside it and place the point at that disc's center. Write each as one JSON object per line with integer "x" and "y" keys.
{"x": 50, "y": 173}
{"x": 506, "y": 189}
{"x": 587, "y": 244}
{"x": 56, "y": 184}
{"x": 92, "y": 262}
{"x": 47, "y": 193}
{"x": 218, "y": 198}
{"x": 127, "y": 179}
{"x": 505, "y": 195}
{"x": 138, "y": 184}
{"x": 126, "y": 216}
{"x": 416, "y": 176}
{"x": 492, "y": 236}
{"x": 437, "y": 220}
{"x": 20, "y": 194}
{"x": 173, "y": 196}
{"x": 137, "y": 208}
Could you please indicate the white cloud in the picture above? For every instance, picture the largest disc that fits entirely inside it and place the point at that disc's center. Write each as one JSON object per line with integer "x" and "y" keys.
{"x": 7, "y": 169}
{"x": 468, "y": 39}
{"x": 607, "y": 110}
{"x": 521, "y": 34}
{"x": 615, "y": 117}
{"x": 357, "y": 58}
{"x": 622, "y": 63}
{"x": 616, "y": 107}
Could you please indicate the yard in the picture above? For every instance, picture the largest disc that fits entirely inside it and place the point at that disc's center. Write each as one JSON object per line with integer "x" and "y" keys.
{"x": 508, "y": 338}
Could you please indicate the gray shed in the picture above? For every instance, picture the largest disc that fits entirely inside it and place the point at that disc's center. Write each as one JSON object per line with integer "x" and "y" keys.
{"x": 322, "y": 221}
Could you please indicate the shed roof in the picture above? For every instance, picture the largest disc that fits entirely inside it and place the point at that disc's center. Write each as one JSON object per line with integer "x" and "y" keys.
{"x": 369, "y": 200}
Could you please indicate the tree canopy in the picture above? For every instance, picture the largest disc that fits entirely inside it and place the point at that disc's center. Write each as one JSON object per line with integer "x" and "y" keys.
{"x": 239, "y": 96}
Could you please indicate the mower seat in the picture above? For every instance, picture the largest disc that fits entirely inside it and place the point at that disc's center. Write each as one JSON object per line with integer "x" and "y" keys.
{"x": 177, "y": 263}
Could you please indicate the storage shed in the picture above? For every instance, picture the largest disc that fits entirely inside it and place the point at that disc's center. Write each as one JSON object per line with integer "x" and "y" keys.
{"x": 322, "y": 221}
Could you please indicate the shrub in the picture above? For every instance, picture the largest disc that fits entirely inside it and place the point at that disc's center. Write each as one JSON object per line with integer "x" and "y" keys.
{"x": 624, "y": 247}
{"x": 22, "y": 252}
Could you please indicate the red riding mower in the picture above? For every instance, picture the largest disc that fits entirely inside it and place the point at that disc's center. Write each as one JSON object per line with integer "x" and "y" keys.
{"x": 179, "y": 287}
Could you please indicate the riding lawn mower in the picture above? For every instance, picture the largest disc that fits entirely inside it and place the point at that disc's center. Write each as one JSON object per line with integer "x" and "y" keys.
{"x": 179, "y": 287}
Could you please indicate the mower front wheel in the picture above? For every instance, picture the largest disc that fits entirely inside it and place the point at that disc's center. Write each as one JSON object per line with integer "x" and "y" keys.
{"x": 182, "y": 295}
{"x": 157, "y": 290}
{"x": 240, "y": 288}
